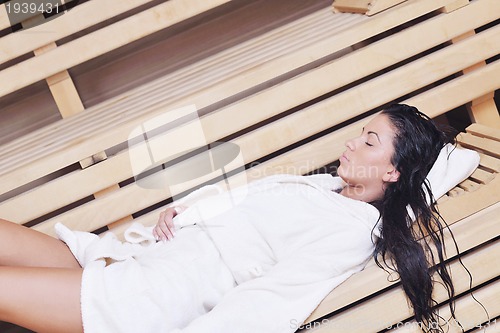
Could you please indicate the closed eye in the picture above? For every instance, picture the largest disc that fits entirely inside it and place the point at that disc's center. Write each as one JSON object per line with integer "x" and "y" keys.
{"x": 368, "y": 144}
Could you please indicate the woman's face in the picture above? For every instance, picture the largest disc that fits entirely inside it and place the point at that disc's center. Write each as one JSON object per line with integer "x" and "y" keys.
{"x": 366, "y": 163}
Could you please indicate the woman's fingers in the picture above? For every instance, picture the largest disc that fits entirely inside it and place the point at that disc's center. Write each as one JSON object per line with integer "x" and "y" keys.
{"x": 164, "y": 229}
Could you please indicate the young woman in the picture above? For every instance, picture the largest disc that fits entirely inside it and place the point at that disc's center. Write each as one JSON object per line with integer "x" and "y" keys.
{"x": 257, "y": 259}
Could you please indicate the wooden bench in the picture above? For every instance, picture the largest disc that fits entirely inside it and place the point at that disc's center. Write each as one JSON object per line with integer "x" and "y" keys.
{"x": 50, "y": 59}
{"x": 288, "y": 98}
{"x": 106, "y": 72}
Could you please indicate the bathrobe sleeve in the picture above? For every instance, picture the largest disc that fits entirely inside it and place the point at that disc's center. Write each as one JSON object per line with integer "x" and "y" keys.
{"x": 284, "y": 297}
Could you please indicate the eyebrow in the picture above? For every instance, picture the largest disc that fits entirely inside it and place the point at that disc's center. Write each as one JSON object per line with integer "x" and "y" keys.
{"x": 371, "y": 132}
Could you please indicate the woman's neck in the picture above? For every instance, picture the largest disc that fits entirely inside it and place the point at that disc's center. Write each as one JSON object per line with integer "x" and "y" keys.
{"x": 362, "y": 193}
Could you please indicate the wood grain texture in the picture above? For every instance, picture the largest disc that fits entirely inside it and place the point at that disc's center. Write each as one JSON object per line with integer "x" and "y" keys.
{"x": 101, "y": 41}
{"x": 77, "y": 19}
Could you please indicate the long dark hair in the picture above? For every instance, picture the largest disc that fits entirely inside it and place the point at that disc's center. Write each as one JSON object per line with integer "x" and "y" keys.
{"x": 417, "y": 144}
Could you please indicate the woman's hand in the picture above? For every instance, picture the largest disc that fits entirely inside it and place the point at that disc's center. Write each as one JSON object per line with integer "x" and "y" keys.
{"x": 165, "y": 229}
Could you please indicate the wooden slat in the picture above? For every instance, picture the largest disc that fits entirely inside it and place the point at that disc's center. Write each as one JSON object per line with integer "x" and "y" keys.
{"x": 485, "y": 113}
{"x": 75, "y": 186}
{"x": 117, "y": 204}
{"x": 489, "y": 162}
{"x": 269, "y": 70}
{"x": 485, "y": 97}
{"x": 62, "y": 88}
{"x": 94, "y": 159}
{"x": 380, "y": 5}
{"x": 474, "y": 87}
{"x": 472, "y": 202}
{"x": 469, "y": 311}
{"x": 77, "y": 19}
{"x": 484, "y": 131}
{"x": 455, "y": 192}
{"x": 489, "y": 146}
{"x": 4, "y": 18}
{"x": 103, "y": 175}
{"x": 482, "y": 176}
{"x": 285, "y": 39}
{"x": 373, "y": 279}
{"x": 61, "y": 85}
{"x": 442, "y": 200}
{"x": 354, "y": 6}
{"x": 368, "y": 7}
{"x": 483, "y": 109}
{"x": 85, "y": 48}
{"x": 469, "y": 186}
{"x": 454, "y": 6}
{"x": 107, "y": 191}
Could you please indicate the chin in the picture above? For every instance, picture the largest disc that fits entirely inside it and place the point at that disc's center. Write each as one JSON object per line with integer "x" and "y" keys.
{"x": 342, "y": 177}
{"x": 346, "y": 179}
{"x": 342, "y": 174}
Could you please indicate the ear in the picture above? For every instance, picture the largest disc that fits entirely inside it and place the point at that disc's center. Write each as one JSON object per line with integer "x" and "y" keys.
{"x": 391, "y": 176}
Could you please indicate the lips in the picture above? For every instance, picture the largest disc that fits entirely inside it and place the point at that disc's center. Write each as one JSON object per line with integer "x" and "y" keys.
{"x": 344, "y": 158}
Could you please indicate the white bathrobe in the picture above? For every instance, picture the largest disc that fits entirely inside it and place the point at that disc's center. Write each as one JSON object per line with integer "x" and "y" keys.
{"x": 257, "y": 259}
{"x": 285, "y": 242}
{"x": 288, "y": 244}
